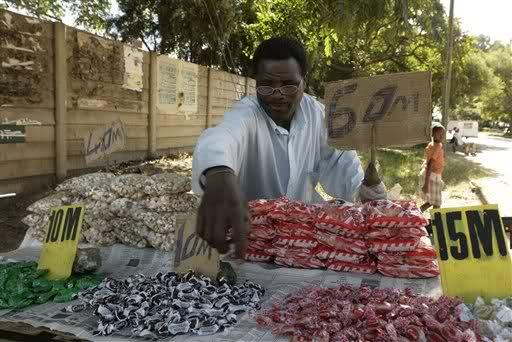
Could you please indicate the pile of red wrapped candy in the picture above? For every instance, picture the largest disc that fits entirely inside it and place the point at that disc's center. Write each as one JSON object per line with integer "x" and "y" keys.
{"x": 385, "y": 236}
{"x": 362, "y": 314}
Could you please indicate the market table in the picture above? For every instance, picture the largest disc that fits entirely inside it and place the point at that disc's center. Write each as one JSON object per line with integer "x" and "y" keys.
{"x": 120, "y": 261}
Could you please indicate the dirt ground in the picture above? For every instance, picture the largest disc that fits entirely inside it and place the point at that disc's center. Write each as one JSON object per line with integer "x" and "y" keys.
{"x": 12, "y": 230}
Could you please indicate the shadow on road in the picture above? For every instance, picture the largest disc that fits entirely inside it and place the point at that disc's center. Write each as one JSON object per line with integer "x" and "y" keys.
{"x": 461, "y": 169}
{"x": 487, "y": 147}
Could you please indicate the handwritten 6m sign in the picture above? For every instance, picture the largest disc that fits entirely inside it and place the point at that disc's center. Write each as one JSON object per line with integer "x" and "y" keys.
{"x": 399, "y": 106}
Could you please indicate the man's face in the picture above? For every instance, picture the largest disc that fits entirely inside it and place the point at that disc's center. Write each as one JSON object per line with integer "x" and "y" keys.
{"x": 275, "y": 74}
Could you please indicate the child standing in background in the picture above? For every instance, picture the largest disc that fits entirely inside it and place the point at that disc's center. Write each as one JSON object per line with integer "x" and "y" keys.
{"x": 431, "y": 183}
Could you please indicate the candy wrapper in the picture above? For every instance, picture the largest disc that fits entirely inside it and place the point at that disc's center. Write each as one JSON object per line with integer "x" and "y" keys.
{"x": 22, "y": 284}
{"x": 295, "y": 211}
{"x": 395, "y": 232}
{"x": 409, "y": 271}
{"x": 423, "y": 254}
{"x": 291, "y": 261}
{"x": 302, "y": 242}
{"x": 261, "y": 232}
{"x": 345, "y": 219}
{"x": 356, "y": 267}
{"x": 341, "y": 243}
{"x": 259, "y": 245}
{"x": 326, "y": 253}
{"x": 336, "y": 235}
{"x": 259, "y": 209}
{"x": 494, "y": 318}
{"x": 393, "y": 245}
{"x": 344, "y": 314}
{"x": 286, "y": 229}
{"x": 293, "y": 252}
{"x": 168, "y": 304}
{"x": 257, "y": 255}
{"x": 385, "y": 213}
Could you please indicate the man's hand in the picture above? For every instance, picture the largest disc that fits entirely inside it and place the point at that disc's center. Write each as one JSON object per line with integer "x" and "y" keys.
{"x": 371, "y": 176}
{"x": 222, "y": 209}
{"x": 372, "y": 188}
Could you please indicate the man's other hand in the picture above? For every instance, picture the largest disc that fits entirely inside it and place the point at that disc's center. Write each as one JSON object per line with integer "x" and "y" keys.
{"x": 371, "y": 176}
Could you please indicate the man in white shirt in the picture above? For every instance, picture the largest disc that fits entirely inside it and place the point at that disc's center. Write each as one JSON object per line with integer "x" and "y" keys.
{"x": 457, "y": 137}
{"x": 271, "y": 145}
{"x": 468, "y": 148}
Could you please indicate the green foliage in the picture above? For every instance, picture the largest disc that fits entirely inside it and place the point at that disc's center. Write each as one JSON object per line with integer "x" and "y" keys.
{"x": 497, "y": 100}
{"x": 90, "y": 14}
{"x": 208, "y": 32}
{"x": 350, "y": 38}
{"x": 483, "y": 81}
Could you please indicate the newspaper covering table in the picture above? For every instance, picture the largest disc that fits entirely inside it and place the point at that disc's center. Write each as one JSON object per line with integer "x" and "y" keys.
{"x": 121, "y": 261}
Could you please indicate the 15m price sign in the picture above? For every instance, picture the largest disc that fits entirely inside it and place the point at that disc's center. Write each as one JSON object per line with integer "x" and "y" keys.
{"x": 61, "y": 241}
{"x": 473, "y": 253}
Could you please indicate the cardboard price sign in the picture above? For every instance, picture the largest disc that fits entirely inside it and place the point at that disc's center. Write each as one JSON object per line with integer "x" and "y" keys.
{"x": 61, "y": 241}
{"x": 398, "y": 105}
{"x": 192, "y": 252}
{"x": 473, "y": 252}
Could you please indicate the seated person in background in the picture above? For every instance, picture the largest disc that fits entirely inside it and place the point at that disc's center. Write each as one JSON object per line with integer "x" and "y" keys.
{"x": 458, "y": 141}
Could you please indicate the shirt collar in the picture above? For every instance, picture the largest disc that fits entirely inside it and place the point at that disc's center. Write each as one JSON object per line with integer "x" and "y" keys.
{"x": 299, "y": 120}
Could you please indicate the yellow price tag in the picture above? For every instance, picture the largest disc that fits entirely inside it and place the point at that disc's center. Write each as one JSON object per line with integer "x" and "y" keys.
{"x": 61, "y": 241}
{"x": 473, "y": 252}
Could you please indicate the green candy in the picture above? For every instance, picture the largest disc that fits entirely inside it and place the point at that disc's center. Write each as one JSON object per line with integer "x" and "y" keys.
{"x": 65, "y": 296}
{"x": 22, "y": 284}
{"x": 44, "y": 297}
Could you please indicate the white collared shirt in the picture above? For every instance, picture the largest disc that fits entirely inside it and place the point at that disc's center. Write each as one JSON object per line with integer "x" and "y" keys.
{"x": 271, "y": 161}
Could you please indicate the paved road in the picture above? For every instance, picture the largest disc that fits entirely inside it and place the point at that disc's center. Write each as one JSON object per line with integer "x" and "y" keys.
{"x": 495, "y": 153}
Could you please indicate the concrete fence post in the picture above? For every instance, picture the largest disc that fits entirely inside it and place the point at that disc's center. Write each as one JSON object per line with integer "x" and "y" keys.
{"x": 247, "y": 80}
{"x": 153, "y": 96}
{"x": 209, "y": 99}
{"x": 60, "y": 66}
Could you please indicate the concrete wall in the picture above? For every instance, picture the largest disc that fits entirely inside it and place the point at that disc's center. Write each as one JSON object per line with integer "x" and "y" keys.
{"x": 72, "y": 82}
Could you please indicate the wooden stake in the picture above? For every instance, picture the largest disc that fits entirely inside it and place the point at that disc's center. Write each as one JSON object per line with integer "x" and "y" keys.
{"x": 373, "y": 149}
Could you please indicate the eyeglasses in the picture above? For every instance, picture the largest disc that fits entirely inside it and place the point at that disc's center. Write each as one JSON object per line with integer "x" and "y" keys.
{"x": 284, "y": 90}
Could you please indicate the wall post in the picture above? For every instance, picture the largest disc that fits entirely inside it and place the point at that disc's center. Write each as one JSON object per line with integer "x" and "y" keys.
{"x": 60, "y": 66}
{"x": 153, "y": 96}
{"x": 209, "y": 99}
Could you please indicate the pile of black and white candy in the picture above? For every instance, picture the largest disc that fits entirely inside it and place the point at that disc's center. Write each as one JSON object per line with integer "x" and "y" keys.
{"x": 168, "y": 304}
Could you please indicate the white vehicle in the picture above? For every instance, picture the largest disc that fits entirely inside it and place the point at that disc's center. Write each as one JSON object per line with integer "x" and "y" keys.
{"x": 467, "y": 128}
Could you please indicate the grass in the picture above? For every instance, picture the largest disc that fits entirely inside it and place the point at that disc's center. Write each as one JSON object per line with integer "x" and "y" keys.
{"x": 402, "y": 166}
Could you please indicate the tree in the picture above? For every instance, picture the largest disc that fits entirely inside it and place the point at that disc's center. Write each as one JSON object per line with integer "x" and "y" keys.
{"x": 90, "y": 14}
{"x": 208, "y": 32}
{"x": 497, "y": 102}
{"x": 350, "y": 38}
{"x": 483, "y": 42}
